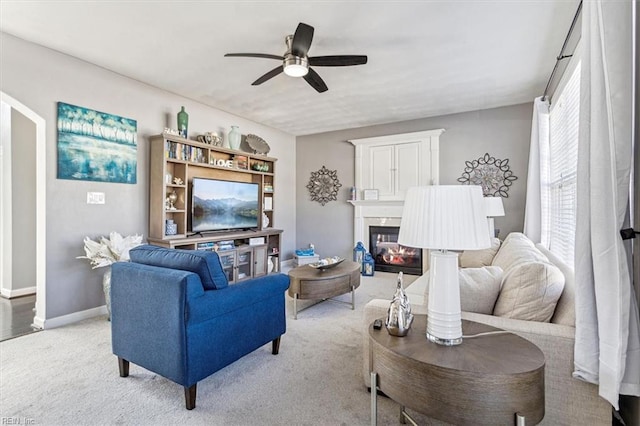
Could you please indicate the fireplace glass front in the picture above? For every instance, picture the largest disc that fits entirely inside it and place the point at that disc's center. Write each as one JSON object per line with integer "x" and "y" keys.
{"x": 389, "y": 256}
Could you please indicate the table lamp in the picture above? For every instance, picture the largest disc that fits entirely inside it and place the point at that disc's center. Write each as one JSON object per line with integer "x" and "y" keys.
{"x": 494, "y": 208}
{"x": 441, "y": 218}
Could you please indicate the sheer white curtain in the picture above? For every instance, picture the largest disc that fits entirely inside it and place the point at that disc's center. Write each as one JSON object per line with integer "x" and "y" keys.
{"x": 538, "y": 171}
{"x": 607, "y": 349}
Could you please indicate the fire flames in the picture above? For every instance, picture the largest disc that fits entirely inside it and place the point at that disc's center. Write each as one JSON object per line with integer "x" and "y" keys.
{"x": 399, "y": 255}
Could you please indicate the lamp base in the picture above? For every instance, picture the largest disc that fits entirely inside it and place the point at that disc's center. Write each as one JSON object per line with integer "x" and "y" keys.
{"x": 444, "y": 342}
{"x": 444, "y": 322}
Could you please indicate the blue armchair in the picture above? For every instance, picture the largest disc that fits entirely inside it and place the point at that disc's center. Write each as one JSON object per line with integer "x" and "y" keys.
{"x": 173, "y": 313}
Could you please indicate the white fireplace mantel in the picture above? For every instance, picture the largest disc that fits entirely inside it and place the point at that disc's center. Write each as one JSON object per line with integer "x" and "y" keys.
{"x": 390, "y": 165}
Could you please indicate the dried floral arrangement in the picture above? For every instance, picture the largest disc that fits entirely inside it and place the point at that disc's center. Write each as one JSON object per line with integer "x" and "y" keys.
{"x": 106, "y": 251}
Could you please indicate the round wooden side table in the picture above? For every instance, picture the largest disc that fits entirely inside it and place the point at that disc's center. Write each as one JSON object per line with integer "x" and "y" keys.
{"x": 495, "y": 378}
{"x": 311, "y": 283}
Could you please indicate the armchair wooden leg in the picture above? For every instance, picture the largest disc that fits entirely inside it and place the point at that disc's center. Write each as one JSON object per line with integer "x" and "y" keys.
{"x": 190, "y": 396}
{"x": 123, "y": 365}
{"x": 275, "y": 346}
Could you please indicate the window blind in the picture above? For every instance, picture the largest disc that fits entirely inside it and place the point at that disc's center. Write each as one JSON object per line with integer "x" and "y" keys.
{"x": 560, "y": 191}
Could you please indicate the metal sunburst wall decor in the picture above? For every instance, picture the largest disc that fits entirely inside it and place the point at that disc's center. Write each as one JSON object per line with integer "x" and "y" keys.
{"x": 493, "y": 174}
{"x": 323, "y": 185}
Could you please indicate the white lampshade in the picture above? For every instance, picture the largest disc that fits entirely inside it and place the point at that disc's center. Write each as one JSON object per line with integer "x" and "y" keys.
{"x": 493, "y": 206}
{"x": 444, "y": 217}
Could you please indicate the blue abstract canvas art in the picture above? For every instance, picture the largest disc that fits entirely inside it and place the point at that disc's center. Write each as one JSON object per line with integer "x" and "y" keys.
{"x": 96, "y": 146}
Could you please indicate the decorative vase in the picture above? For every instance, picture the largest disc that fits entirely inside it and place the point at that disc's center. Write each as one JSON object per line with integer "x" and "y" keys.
{"x": 106, "y": 287}
{"x": 183, "y": 122}
{"x": 269, "y": 264}
{"x": 265, "y": 221}
{"x": 234, "y": 138}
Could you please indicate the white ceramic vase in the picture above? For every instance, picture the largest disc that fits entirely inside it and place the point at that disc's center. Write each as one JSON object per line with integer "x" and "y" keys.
{"x": 234, "y": 138}
{"x": 106, "y": 287}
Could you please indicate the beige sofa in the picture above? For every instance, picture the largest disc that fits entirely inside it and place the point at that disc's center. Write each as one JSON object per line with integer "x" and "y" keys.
{"x": 568, "y": 401}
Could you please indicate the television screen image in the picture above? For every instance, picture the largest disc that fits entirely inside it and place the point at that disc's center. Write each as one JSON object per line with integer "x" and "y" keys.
{"x": 220, "y": 205}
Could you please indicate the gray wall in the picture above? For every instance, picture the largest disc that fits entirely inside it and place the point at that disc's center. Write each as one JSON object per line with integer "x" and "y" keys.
{"x": 23, "y": 200}
{"x": 39, "y": 78}
{"x": 502, "y": 132}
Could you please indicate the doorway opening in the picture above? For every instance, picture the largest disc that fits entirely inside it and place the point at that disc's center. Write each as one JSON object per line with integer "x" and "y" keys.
{"x": 7, "y": 235}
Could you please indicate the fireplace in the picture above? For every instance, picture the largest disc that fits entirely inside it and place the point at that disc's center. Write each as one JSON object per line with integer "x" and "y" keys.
{"x": 389, "y": 256}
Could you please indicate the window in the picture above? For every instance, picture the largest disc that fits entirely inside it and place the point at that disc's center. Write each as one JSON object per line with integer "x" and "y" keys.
{"x": 559, "y": 192}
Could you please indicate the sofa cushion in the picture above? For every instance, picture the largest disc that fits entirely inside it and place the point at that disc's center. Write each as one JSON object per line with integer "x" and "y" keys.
{"x": 480, "y": 258}
{"x": 479, "y": 288}
{"x": 517, "y": 249}
{"x": 204, "y": 263}
{"x": 565, "y": 312}
{"x": 530, "y": 291}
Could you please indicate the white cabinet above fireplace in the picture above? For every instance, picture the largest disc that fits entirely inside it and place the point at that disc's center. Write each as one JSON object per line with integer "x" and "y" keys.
{"x": 392, "y": 164}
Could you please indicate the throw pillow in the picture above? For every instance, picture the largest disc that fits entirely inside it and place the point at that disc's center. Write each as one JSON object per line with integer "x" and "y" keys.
{"x": 204, "y": 263}
{"x": 480, "y": 258}
{"x": 530, "y": 292}
{"x": 517, "y": 249}
{"x": 479, "y": 289}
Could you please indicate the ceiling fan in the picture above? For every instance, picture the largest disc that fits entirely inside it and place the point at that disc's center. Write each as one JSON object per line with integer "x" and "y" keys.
{"x": 296, "y": 63}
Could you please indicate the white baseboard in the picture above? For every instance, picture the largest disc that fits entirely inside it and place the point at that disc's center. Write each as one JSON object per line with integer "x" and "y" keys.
{"x": 286, "y": 265}
{"x": 10, "y": 294}
{"x": 70, "y": 318}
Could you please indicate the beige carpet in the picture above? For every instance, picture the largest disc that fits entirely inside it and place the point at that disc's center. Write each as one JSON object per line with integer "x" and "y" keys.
{"x": 68, "y": 376}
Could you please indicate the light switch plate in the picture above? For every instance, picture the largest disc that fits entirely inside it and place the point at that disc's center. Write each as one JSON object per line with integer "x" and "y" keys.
{"x": 95, "y": 197}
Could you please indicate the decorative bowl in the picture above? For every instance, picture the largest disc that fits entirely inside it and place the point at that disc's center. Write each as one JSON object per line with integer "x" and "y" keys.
{"x": 326, "y": 263}
{"x": 210, "y": 138}
{"x": 259, "y": 145}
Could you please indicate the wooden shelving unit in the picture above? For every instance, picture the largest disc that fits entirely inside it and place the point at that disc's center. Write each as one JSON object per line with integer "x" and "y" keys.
{"x": 174, "y": 157}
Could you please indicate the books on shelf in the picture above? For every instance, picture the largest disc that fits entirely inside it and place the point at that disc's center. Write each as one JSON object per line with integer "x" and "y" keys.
{"x": 183, "y": 152}
{"x": 216, "y": 245}
{"x": 225, "y": 245}
{"x": 241, "y": 162}
{"x": 205, "y": 246}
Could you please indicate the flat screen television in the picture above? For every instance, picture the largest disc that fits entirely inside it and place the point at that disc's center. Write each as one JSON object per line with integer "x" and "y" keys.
{"x": 218, "y": 205}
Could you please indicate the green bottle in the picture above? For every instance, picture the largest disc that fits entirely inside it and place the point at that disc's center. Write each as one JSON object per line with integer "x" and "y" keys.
{"x": 183, "y": 122}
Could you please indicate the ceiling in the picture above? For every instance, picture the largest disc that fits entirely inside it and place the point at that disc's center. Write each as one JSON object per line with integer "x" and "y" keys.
{"x": 426, "y": 58}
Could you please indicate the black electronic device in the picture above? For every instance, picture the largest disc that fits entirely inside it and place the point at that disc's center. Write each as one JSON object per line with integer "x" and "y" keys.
{"x": 377, "y": 324}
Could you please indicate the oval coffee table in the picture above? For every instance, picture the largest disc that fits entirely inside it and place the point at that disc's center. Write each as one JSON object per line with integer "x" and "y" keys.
{"x": 493, "y": 379}
{"x": 311, "y": 283}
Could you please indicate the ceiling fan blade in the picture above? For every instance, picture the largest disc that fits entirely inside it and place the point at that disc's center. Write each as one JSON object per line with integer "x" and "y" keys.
{"x": 302, "y": 39}
{"x": 315, "y": 81}
{"x": 254, "y": 55}
{"x": 268, "y": 76}
{"x": 338, "y": 60}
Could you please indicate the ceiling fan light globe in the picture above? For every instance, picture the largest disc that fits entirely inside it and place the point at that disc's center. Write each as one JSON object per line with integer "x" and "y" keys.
{"x": 296, "y": 70}
{"x": 295, "y": 66}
